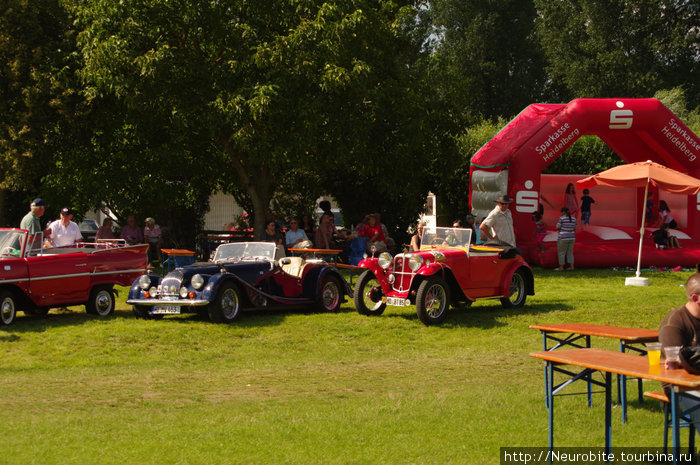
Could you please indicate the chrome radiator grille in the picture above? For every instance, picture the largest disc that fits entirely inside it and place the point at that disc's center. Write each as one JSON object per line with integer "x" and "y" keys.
{"x": 403, "y": 274}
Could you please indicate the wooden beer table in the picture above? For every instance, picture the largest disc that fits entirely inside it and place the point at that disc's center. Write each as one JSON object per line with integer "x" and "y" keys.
{"x": 609, "y": 362}
{"x": 331, "y": 254}
{"x": 170, "y": 261}
{"x": 579, "y": 335}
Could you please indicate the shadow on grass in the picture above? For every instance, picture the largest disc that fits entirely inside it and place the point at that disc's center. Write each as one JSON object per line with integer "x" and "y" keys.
{"x": 74, "y": 316}
{"x": 484, "y": 317}
{"x": 60, "y": 318}
{"x": 650, "y": 405}
{"x": 256, "y": 317}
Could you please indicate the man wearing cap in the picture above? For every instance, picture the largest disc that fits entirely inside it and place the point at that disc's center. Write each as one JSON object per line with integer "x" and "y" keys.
{"x": 498, "y": 225}
{"x": 64, "y": 232}
{"x": 30, "y": 221}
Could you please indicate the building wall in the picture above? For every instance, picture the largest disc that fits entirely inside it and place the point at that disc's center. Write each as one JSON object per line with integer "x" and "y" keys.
{"x": 222, "y": 209}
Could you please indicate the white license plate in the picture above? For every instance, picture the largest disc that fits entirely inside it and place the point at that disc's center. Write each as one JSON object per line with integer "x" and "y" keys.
{"x": 397, "y": 301}
{"x": 166, "y": 310}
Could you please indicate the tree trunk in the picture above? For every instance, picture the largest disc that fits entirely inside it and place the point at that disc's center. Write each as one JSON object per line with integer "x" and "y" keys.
{"x": 257, "y": 185}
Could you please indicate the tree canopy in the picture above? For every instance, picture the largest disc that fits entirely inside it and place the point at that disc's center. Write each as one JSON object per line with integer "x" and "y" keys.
{"x": 611, "y": 48}
{"x": 148, "y": 106}
{"x": 255, "y": 88}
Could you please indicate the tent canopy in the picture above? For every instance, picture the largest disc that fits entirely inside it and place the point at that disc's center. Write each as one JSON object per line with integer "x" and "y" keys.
{"x": 641, "y": 173}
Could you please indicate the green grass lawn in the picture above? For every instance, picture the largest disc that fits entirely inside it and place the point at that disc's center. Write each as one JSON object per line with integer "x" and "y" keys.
{"x": 295, "y": 387}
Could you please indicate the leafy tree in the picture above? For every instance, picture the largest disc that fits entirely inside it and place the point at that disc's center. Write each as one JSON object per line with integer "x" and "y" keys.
{"x": 621, "y": 48}
{"x": 254, "y": 88}
{"x": 38, "y": 93}
{"x": 676, "y": 101}
{"x": 493, "y": 63}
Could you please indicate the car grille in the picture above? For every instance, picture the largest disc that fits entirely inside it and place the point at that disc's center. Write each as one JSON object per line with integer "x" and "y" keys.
{"x": 170, "y": 288}
{"x": 403, "y": 274}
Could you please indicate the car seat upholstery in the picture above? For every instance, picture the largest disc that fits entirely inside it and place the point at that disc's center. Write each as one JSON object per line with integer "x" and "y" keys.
{"x": 293, "y": 265}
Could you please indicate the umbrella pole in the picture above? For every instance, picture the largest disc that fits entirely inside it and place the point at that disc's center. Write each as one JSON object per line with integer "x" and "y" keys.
{"x": 637, "y": 281}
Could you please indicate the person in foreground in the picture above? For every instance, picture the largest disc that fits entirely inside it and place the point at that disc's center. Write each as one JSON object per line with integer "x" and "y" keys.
{"x": 681, "y": 327}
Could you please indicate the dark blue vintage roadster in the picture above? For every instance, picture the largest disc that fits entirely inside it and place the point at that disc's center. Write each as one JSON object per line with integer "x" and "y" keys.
{"x": 243, "y": 275}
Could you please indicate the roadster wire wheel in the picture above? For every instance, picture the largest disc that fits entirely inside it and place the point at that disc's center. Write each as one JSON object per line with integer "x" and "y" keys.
{"x": 432, "y": 300}
{"x": 227, "y": 305}
{"x": 329, "y": 295}
{"x": 517, "y": 292}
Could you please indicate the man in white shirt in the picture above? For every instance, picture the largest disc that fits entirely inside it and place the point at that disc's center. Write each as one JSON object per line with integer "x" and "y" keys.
{"x": 498, "y": 225}
{"x": 296, "y": 238}
{"x": 64, "y": 232}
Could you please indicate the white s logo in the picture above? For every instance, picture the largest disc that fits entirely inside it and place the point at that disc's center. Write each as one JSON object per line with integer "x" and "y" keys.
{"x": 526, "y": 201}
{"x": 620, "y": 119}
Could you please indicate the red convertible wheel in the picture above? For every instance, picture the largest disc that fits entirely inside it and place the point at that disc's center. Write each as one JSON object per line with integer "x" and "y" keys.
{"x": 101, "y": 301}
{"x": 329, "y": 295}
{"x": 8, "y": 310}
{"x": 368, "y": 295}
{"x": 432, "y": 301}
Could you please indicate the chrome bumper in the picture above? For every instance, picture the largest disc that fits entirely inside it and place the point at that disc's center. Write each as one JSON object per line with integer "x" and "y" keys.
{"x": 180, "y": 302}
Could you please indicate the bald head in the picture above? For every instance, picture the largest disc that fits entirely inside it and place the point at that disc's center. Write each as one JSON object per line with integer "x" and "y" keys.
{"x": 692, "y": 286}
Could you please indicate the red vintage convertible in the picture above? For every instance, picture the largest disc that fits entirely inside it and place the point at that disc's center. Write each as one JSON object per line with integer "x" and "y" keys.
{"x": 34, "y": 278}
{"x": 447, "y": 270}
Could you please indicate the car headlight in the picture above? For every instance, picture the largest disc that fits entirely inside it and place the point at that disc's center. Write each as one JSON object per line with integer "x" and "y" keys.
{"x": 415, "y": 262}
{"x": 144, "y": 281}
{"x": 197, "y": 281}
{"x": 183, "y": 292}
{"x": 385, "y": 260}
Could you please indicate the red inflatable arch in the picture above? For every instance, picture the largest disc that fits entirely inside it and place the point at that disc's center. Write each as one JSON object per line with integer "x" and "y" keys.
{"x": 637, "y": 130}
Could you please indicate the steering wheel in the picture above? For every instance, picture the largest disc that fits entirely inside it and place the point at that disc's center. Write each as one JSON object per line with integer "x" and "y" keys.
{"x": 9, "y": 251}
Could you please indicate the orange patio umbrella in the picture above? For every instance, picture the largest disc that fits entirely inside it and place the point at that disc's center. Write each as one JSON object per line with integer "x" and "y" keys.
{"x": 643, "y": 174}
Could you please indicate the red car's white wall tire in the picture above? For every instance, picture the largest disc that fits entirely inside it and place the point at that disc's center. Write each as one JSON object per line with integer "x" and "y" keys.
{"x": 8, "y": 308}
{"x": 101, "y": 302}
